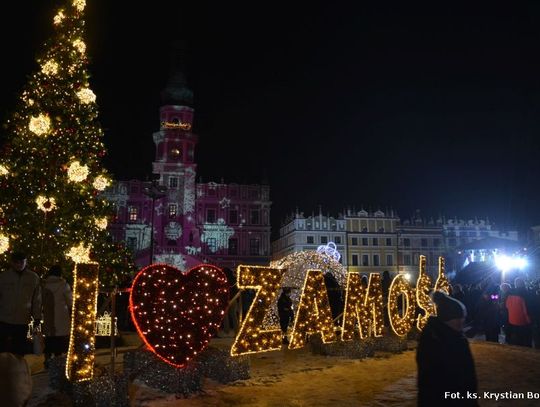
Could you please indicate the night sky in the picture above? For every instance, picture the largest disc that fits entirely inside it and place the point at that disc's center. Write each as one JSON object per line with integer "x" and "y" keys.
{"x": 435, "y": 108}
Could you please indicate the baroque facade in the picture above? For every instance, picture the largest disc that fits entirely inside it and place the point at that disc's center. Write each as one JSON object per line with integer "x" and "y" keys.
{"x": 192, "y": 222}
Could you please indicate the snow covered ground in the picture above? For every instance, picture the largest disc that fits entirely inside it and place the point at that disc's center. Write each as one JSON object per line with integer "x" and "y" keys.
{"x": 297, "y": 378}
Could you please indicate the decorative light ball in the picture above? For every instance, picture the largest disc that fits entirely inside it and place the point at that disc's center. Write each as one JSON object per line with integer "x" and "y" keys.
{"x": 30, "y": 102}
{"x": 79, "y": 5}
{"x": 101, "y": 223}
{"x": 86, "y": 96}
{"x": 40, "y": 125}
{"x": 4, "y": 170}
{"x": 77, "y": 172}
{"x": 4, "y": 243}
{"x": 50, "y": 67}
{"x": 45, "y": 204}
{"x": 79, "y": 45}
{"x": 80, "y": 253}
{"x": 101, "y": 182}
{"x": 175, "y": 152}
{"x": 58, "y": 18}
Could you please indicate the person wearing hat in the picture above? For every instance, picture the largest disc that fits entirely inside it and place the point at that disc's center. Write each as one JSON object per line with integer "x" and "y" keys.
{"x": 20, "y": 298}
{"x": 446, "y": 372}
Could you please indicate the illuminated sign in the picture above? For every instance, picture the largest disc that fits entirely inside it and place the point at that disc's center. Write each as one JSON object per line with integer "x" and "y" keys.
{"x": 173, "y": 125}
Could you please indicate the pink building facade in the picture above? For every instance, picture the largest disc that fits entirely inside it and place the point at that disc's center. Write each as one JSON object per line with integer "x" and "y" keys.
{"x": 222, "y": 224}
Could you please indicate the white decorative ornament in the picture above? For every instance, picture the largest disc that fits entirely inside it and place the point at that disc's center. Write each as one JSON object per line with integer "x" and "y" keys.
{"x": 4, "y": 170}
{"x": 173, "y": 231}
{"x": 4, "y": 243}
{"x": 104, "y": 325}
{"x": 330, "y": 250}
{"x": 101, "y": 182}
{"x": 58, "y": 18}
{"x": 80, "y": 253}
{"x": 86, "y": 96}
{"x": 218, "y": 233}
{"x": 50, "y": 67}
{"x": 101, "y": 223}
{"x": 189, "y": 191}
{"x": 192, "y": 250}
{"x": 224, "y": 203}
{"x": 77, "y": 172}
{"x": 79, "y": 5}
{"x": 79, "y": 45}
{"x": 45, "y": 204}
{"x": 40, "y": 125}
{"x": 174, "y": 259}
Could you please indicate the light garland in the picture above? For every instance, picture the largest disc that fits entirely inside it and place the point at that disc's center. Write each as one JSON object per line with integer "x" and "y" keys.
{"x": 77, "y": 172}
{"x": 101, "y": 182}
{"x": 423, "y": 288}
{"x": 363, "y": 306}
{"x": 59, "y": 17}
{"x": 81, "y": 351}
{"x": 80, "y": 253}
{"x": 442, "y": 283}
{"x": 4, "y": 243}
{"x": 401, "y": 324}
{"x": 40, "y": 125}
{"x": 101, "y": 223}
{"x": 45, "y": 204}
{"x": 79, "y": 45}
{"x": 79, "y": 5}
{"x": 4, "y": 170}
{"x": 177, "y": 314}
{"x": 86, "y": 96}
{"x": 50, "y": 67}
{"x": 252, "y": 337}
{"x": 313, "y": 314}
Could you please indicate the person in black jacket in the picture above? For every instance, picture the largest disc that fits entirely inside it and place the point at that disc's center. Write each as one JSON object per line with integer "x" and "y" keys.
{"x": 285, "y": 311}
{"x": 445, "y": 363}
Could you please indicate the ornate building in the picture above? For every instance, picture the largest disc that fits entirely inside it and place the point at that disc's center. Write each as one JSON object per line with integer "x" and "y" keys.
{"x": 224, "y": 224}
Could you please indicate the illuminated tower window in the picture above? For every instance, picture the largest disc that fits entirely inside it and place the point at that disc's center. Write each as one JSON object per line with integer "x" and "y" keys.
{"x": 132, "y": 213}
{"x": 172, "y": 210}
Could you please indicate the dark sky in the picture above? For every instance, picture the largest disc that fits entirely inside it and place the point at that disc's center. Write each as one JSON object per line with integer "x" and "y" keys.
{"x": 434, "y": 107}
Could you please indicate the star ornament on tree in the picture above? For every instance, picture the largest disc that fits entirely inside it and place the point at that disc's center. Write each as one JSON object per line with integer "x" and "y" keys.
{"x": 80, "y": 254}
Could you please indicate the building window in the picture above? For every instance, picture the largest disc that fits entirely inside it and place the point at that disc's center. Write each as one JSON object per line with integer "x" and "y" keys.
{"x": 381, "y": 230}
{"x": 254, "y": 247}
{"x": 354, "y": 259}
{"x": 376, "y": 261}
{"x": 365, "y": 260}
{"x": 173, "y": 182}
{"x": 310, "y": 240}
{"x": 389, "y": 260}
{"x": 254, "y": 217}
{"x": 337, "y": 239}
{"x": 233, "y": 247}
{"x": 407, "y": 259}
{"x": 171, "y": 242}
{"x": 253, "y": 194}
{"x": 132, "y": 243}
{"x": 389, "y": 241}
{"x": 233, "y": 217}
{"x": 211, "y": 216}
{"x": 364, "y": 229}
{"x": 324, "y": 239}
{"x": 354, "y": 241}
{"x": 132, "y": 213}
{"x": 406, "y": 242}
{"x": 211, "y": 244}
{"x": 375, "y": 241}
{"x": 365, "y": 241}
{"x": 172, "y": 210}
{"x": 424, "y": 243}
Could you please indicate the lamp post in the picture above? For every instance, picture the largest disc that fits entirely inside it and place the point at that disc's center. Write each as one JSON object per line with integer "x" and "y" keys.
{"x": 154, "y": 191}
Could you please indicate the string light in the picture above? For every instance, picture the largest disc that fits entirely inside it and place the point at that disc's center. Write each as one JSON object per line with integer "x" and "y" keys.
{"x": 81, "y": 351}
{"x": 50, "y": 68}
{"x": 58, "y": 18}
{"x": 101, "y": 182}
{"x": 80, "y": 253}
{"x": 363, "y": 306}
{"x": 77, "y": 172}
{"x": 45, "y": 204}
{"x": 177, "y": 314}
{"x": 423, "y": 287}
{"x": 313, "y": 314}
{"x": 40, "y": 125}
{"x": 79, "y": 45}
{"x": 4, "y": 243}
{"x": 3, "y": 170}
{"x": 86, "y": 96}
{"x": 252, "y": 337}
{"x": 101, "y": 223}
{"x": 79, "y": 5}
{"x": 442, "y": 283}
{"x": 401, "y": 290}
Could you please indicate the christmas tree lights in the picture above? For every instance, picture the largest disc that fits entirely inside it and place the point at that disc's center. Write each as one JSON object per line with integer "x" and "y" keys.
{"x": 80, "y": 253}
{"x": 442, "y": 283}
{"x": 313, "y": 314}
{"x": 81, "y": 351}
{"x": 423, "y": 288}
{"x": 363, "y": 306}
{"x": 252, "y": 337}
{"x": 51, "y": 170}
{"x": 4, "y": 243}
{"x": 176, "y": 314}
{"x": 401, "y": 292}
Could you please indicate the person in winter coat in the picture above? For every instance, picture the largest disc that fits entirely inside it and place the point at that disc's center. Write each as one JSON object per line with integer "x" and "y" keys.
{"x": 57, "y": 300}
{"x": 20, "y": 299}
{"x": 444, "y": 360}
{"x": 519, "y": 320}
{"x": 285, "y": 311}
{"x": 487, "y": 315}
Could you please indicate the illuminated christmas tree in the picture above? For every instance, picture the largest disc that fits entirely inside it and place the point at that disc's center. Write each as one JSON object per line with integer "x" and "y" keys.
{"x": 50, "y": 171}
